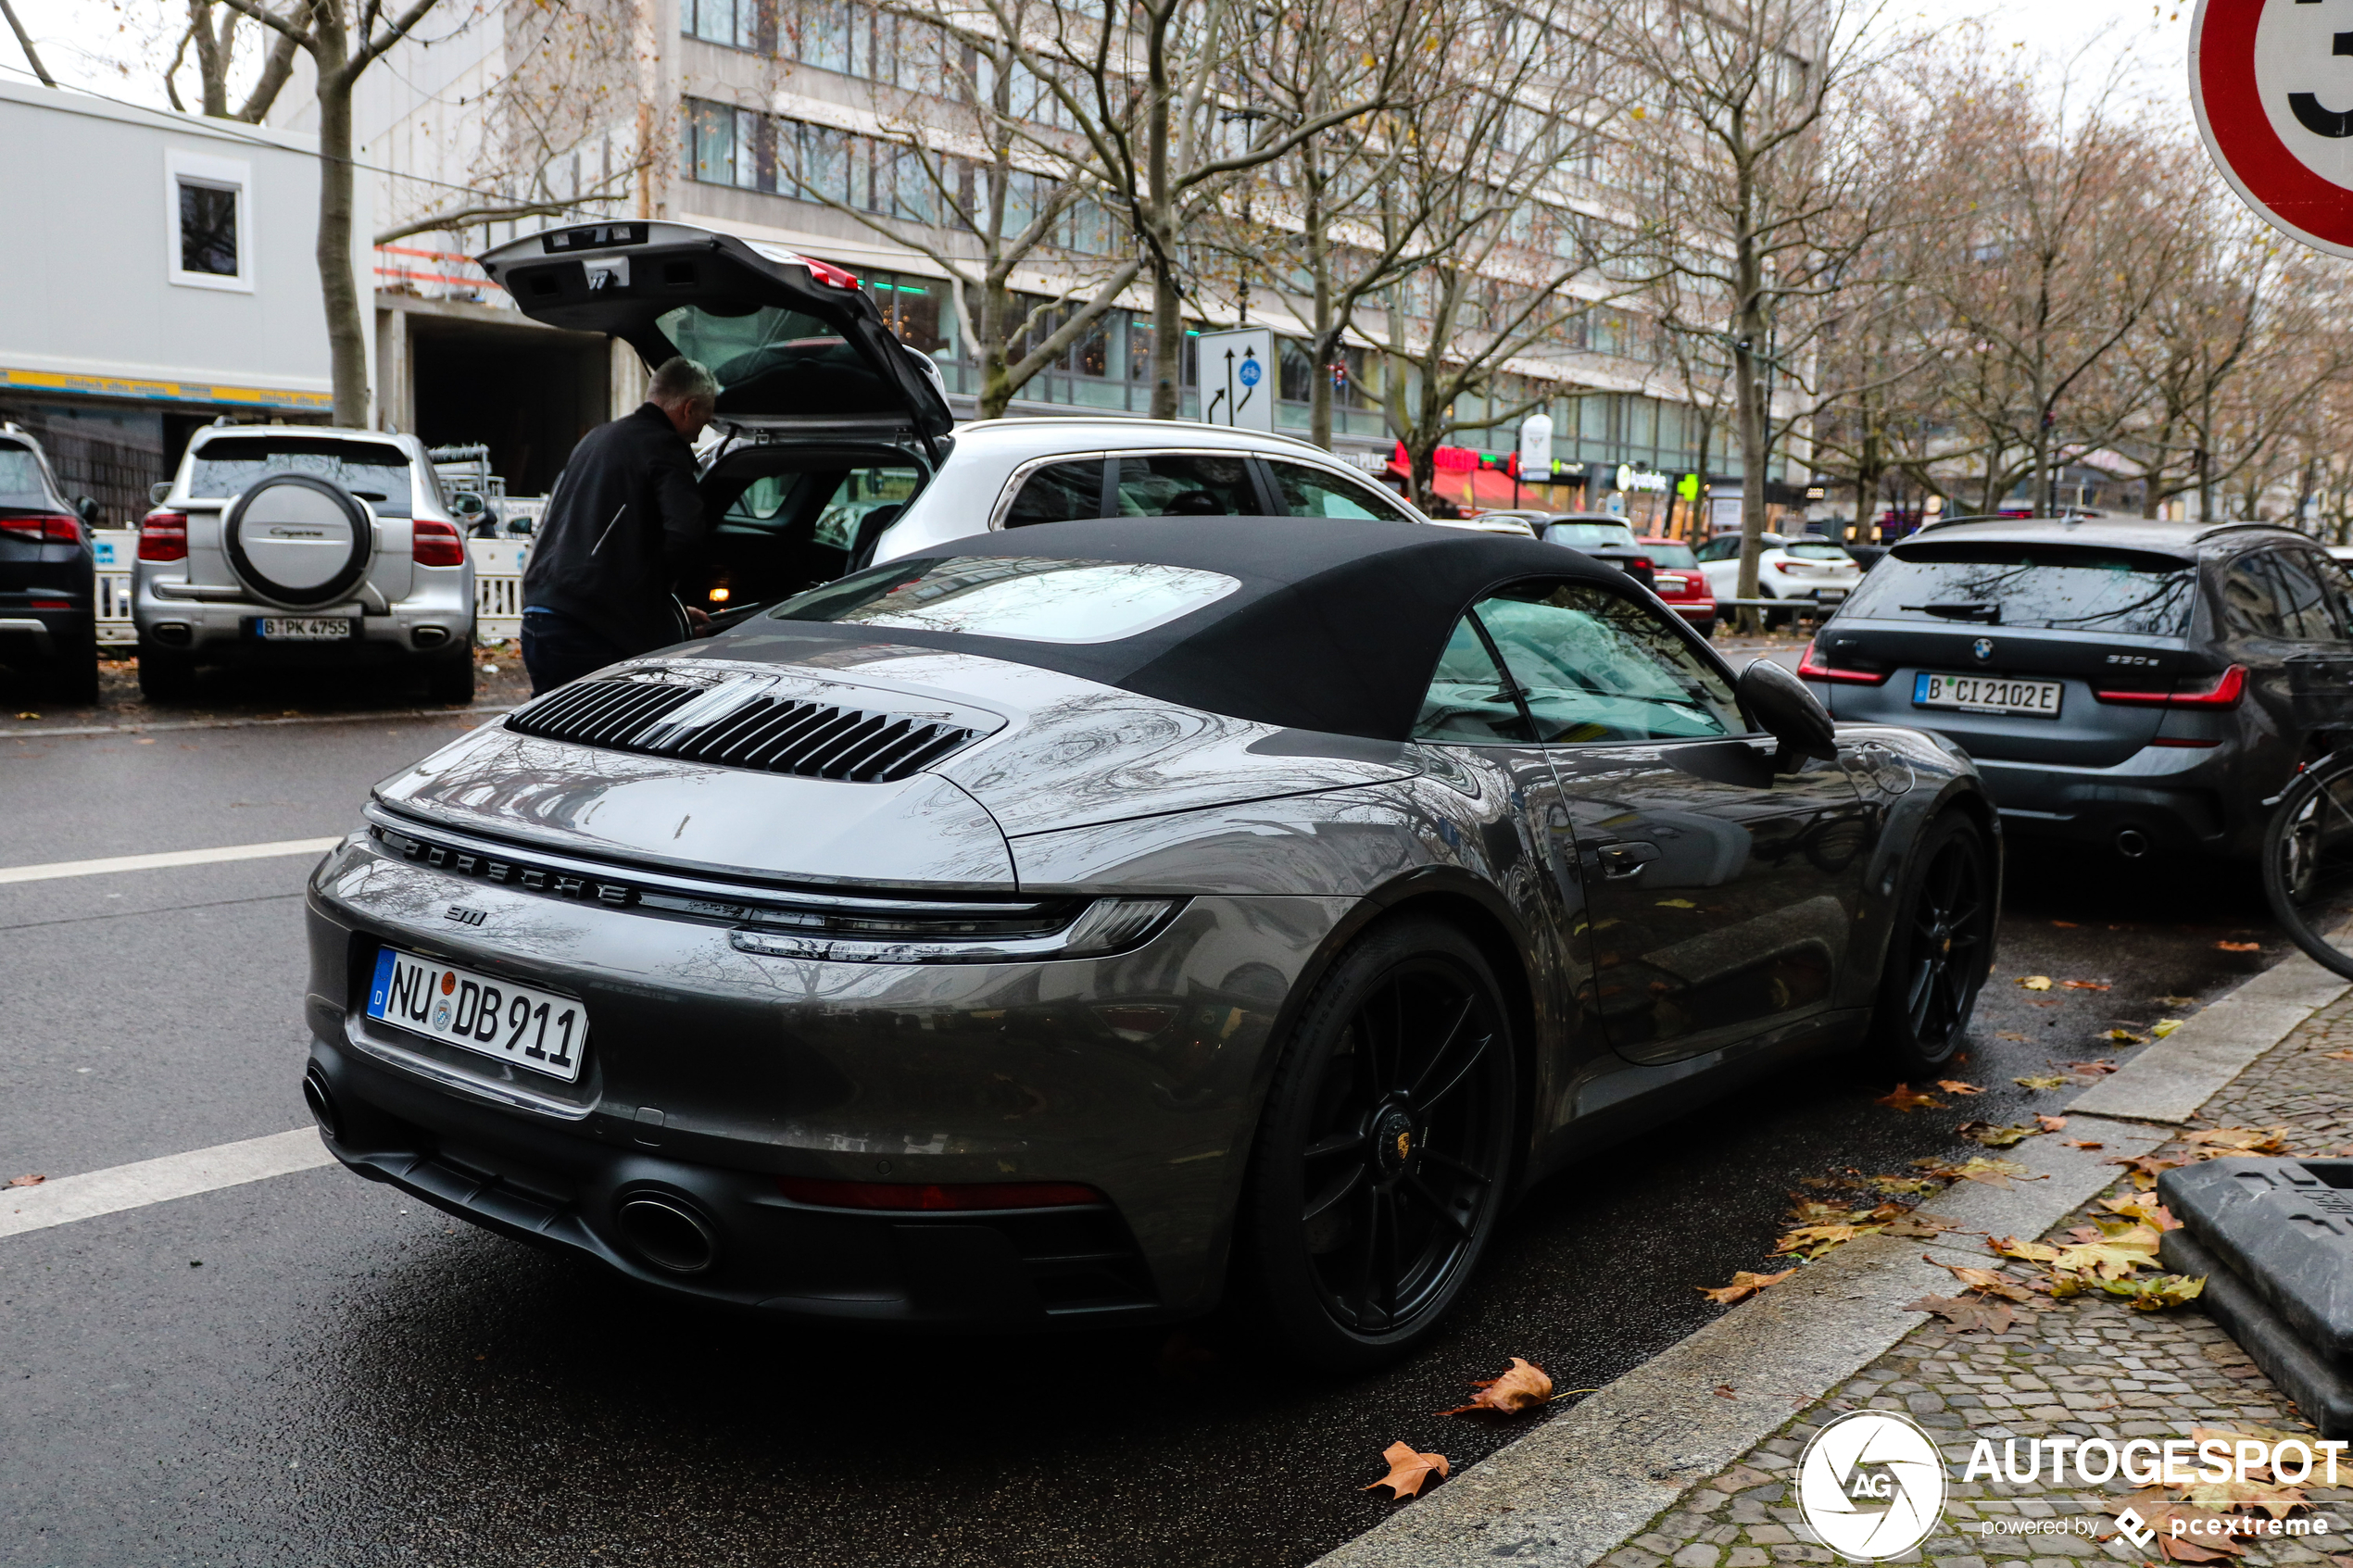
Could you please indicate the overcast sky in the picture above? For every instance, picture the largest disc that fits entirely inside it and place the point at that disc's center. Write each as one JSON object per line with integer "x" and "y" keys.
{"x": 82, "y": 41}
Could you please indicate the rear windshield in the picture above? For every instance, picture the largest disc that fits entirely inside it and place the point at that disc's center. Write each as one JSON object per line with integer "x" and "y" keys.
{"x": 1032, "y": 599}
{"x": 767, "y": 355}
{"x": 1578, "y": 534}
{"x": 22, "y": 486}
{"x": 377, "y": 474}
{"x": 1808, "y": 550}
{"x": 1670, "y": 555}
{"x": 2060, "y": 587}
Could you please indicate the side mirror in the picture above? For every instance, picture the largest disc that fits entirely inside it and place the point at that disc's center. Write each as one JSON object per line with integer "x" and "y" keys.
{"x": 158, "y": 491}
{"x": 86, "y": 510}
{"x": 465, "y": 503}
{"x": 1780, "y": 705}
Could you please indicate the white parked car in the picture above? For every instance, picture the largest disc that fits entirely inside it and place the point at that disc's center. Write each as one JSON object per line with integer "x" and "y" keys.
{"x": 1789, "y": 568}
{"x": 835, "y": 445}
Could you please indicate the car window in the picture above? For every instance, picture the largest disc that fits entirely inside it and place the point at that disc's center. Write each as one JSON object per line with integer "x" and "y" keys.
{"x": 1186, "y": 485}
{"x": 2250, "y": 598}
{"x": 2337, "y": 584}
{"x": 1809, "y": 551}
{"x": 2305, "y": 611}
{"x": 1470, "y": 700}
{"x": 22, "y": 484}
{"x": 1595, "y": 667}
{"x": 1667, "y": 553}
{"x": 1058, "y": 492}
{"x": 862, "y": 491}
{"x": 2062, "y": 587}
{"x": 376, "y": 473}
{"x": 1578, "y": 535}
{"x": 1719, "y": 549}
{"x": 1306, "y": 492}
{"x": 831, "y": 501}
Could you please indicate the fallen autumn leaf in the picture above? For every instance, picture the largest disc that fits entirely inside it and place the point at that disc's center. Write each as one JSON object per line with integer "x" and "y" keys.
{"x": 1524, "y": 1387}
{"x": 2087, "y": 985}
{"x": 2045, "y": 1082}
{"x": 2240, "y": 946}
{"x": 1407, "y": 1470}
{"x": 1906, "y": 1098}
{"x": 1955, "y": 1086}
{"x": 2035, "y": 982}
{"x": 1993, "y": 1136}
{"x": 2084, "y": 1143}
{"x": 26, "y": 1181}
{"x": 1744, "y": 1285}
{"x": 2051, "y": 1123}
{"x": 2008, "y": 1034}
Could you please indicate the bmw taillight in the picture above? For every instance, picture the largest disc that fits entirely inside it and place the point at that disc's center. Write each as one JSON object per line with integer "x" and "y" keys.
{"x": 434, "y": 543}
{"x": 42, "y": 528}
{"x": 2223, "y": 691}
{"x": 163, "y": 536}
{"x": 1811, "y": 668}
{"x": 931, "y": 1196}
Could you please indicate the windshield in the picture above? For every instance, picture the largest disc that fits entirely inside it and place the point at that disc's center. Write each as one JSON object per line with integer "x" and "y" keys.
{"x": 1027, "y": 597}
{"x": 22, "y": 484}
{"x": 1807, "y": 551}
{"x": 377, "y": 474}
{"x": 1665, "y": 553}
{"x": 1579, "y": 534}
{"x": 2056, "y": 586}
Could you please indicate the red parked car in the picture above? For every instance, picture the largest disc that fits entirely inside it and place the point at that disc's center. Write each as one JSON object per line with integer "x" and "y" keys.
{"x": 1675, "y": 578}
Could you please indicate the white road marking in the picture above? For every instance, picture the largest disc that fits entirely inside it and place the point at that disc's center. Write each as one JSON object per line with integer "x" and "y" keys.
{"x": 168, "y": 858}
{"x": 64, "y": 1199}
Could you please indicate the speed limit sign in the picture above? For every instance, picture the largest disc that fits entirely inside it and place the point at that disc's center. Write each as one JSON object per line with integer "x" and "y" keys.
{"x": 2272, "y": 82}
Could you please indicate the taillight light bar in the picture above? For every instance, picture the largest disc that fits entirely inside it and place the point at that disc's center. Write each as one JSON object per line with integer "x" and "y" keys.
{"x": 828, "y": 273}
{"x": 2224, "y": 691}
{"x": 1808, "y": 668}
{"x": 434, "y": 543}
{"x": 937, "y": 1197}
{"x": 163, "y": 536}
{"x": 42, "y": 528}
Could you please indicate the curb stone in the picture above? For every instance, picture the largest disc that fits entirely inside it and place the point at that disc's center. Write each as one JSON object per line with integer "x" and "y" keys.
{"x": 1580, "y": 1487}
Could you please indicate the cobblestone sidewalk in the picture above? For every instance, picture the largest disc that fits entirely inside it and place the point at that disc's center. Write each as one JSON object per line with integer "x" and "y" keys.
{"x": 2087, "y": 1367}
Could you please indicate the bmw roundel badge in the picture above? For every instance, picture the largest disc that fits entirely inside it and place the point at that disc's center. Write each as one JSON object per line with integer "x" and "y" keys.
{"x": 1984, "y": 648}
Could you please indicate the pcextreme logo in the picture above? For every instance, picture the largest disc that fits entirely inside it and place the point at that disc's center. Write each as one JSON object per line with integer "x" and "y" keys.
{"x": 1872, "y": 1486}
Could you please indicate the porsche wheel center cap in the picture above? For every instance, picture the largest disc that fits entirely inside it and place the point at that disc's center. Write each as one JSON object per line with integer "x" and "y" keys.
{"x": 1395, "y": 1137}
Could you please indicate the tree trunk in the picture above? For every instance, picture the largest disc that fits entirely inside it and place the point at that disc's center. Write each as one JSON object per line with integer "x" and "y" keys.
{"x": 1751, "y": 416}
{"x": 346, "y": 327}
{"x": 1168, "y": 332}
{"x": 996, "y": 385}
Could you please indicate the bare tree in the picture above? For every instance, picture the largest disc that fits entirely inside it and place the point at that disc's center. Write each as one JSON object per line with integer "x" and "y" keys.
{"x": 343, "y": 39}
{"x": 212, "y": 33}
{"x": 1764, "y": 208}
{"x": 556, "y": 130}
{"x": 984, "y": 182}
{"x": 1166, "y": 101}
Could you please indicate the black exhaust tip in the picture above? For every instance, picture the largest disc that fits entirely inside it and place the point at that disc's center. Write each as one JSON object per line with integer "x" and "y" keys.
{"x": 321, "y": 1102}
{"x": 2131, "y": 843}
{"x": 666, "y": 1234}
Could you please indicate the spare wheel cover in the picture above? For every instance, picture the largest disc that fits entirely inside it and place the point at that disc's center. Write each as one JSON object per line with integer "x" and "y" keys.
{"x": 295, "y": 539}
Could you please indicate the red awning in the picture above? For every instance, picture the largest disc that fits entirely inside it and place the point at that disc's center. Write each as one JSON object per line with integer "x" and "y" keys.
{"x": 1481, "y": 489}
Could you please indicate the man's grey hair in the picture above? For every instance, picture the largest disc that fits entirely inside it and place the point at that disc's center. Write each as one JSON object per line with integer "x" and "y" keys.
{"x": 681, "y": 380}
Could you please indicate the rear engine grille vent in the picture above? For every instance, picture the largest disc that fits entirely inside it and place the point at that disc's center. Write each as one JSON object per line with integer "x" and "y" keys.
{"x": 776, "y": 735}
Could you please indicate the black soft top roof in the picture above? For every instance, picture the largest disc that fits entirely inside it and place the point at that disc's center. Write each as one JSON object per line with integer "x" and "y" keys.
{"x": 1336, "y": 627}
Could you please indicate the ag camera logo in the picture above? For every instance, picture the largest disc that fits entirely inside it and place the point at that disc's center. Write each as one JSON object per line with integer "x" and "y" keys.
{"x": 1872, "y": 1486}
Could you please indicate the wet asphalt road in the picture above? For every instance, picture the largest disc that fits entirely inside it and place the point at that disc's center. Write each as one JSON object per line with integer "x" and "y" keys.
{"x": 314, "y": 1370}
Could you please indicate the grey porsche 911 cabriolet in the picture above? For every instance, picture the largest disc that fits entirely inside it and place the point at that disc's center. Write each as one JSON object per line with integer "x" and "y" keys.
{"x": 1102, "y": 920}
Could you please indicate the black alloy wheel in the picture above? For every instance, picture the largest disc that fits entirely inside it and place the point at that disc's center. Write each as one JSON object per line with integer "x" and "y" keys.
{"x": 1384, "y": 1159}
{"x": 1939, "y": 951}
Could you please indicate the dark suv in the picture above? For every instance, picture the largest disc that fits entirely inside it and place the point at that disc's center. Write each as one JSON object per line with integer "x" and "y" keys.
{"x": 2139, "y": 684}
{"x": 48, "y": 575}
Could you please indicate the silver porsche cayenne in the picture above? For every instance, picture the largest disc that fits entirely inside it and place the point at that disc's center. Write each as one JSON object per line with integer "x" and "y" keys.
{"x": 1103, "y": 919}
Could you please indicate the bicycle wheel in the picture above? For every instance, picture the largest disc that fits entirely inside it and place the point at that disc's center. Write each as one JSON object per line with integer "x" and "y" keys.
{"x": 2307, "y": 862}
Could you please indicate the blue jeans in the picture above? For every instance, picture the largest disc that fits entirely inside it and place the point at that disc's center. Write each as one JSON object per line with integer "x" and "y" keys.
{"x": 558, "y": 650}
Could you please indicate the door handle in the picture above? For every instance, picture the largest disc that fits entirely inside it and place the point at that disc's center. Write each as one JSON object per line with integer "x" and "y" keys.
{"x": 1624, "y": 858}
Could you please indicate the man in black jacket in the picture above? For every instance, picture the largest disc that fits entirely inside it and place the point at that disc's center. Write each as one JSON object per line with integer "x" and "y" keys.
{"x": 623, "y": 523}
